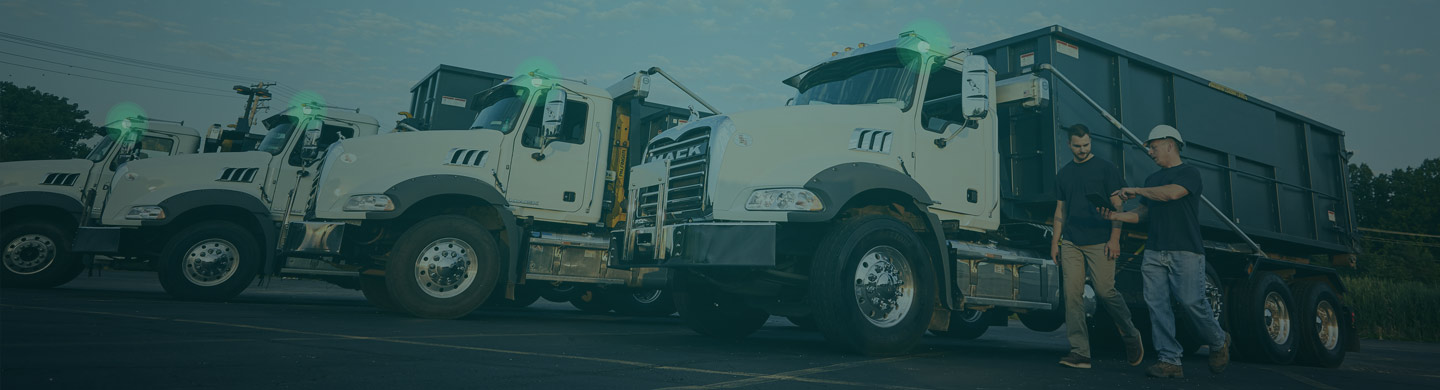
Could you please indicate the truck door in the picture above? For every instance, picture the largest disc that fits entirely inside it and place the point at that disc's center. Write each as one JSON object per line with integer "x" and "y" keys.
{"x": 959, "y": 174}
{"x": 559, "y": 176}
{"x": 304, "y": 148}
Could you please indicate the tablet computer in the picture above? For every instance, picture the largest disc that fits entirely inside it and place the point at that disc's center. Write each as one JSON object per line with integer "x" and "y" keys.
{"x": 1100, "y": 201}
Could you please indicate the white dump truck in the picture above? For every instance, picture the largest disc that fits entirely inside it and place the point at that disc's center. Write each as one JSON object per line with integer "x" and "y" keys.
{"x": 439, "y": 222}
{"x": 906, "y": 190}
{"x": 42, "y": 202}
{"x": 209, "y": 224}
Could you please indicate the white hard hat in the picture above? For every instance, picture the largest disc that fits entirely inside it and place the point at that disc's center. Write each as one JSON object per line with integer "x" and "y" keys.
{"x": 1165, "y": 131}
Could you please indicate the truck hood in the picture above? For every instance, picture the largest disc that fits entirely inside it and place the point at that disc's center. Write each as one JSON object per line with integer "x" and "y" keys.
{"x": 372, "y": 165}
{"x": 17, "y": 174}
{"x": 786, "y": 146}
{"x": 149, "y": 182}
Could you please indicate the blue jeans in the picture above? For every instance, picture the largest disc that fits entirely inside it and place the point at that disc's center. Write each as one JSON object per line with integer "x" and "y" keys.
{"x": 1178, "y": 276}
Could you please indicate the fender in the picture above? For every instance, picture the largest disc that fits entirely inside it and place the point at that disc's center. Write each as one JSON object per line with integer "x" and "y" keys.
{"x": 184, "y": 202}
{"x": 837, "y": 185}
{"x": 411, "y": 191}
{"x": 43, "y": 199}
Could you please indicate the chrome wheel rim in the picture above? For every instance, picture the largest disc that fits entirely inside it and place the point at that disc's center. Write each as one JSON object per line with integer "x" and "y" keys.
{"x": 446, "y": 268}
{"x": 210, "y": 262}
{"x": 647, "y": 296}
{"x": 29, "y": 254}
{"x": 1327, "y": 326}
{"x": 1277, "y": 318}
{"x": 884, "y": 286}
{"x": 971, "y": 316}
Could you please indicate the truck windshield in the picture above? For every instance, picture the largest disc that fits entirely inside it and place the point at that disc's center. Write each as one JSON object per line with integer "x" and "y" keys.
{"x": 274, "y": 141}
{"x": 101, "y": 149}
{"x": 502, "y": 109}
{"x": 870, "y": 79}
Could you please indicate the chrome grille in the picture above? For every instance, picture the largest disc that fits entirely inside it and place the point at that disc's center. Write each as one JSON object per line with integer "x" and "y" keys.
{"x": 689, "y": 163}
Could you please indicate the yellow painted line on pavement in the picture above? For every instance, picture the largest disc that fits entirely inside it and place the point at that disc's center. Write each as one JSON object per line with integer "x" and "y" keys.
{"x": 809, "y": 371}
{"x": 1302, "y": 379}
{"x": 772, "y": 377}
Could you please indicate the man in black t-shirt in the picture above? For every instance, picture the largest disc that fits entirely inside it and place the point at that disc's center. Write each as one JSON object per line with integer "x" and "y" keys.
{"x": 1084, "y": 241}
{"x": 1174, "y": 254}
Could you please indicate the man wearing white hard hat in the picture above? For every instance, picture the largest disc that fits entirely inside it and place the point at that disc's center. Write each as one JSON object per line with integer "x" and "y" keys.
{"x": 1174, "y": 266}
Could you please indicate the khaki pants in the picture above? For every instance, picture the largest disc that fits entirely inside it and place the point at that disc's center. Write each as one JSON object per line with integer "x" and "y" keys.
{"x": 1075, "y": 261}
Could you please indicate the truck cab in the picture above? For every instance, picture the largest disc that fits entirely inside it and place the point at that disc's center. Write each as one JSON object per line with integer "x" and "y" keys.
{"x": 438, "y": 222}
{"x": 209, "y": 222}
{"x": 42, "y": 202}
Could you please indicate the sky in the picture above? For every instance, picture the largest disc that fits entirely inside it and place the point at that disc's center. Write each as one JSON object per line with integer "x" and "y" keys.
{"x": 1367, "y": 68}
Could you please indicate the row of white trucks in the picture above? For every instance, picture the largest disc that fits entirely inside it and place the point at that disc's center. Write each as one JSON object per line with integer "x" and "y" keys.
{"x": 903, "y": 189}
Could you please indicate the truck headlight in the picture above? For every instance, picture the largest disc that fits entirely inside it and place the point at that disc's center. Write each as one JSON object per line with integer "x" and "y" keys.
{"x": 145, "y": 213}
{"x": 374, "y": 202}
{"x": 784, "y": 199}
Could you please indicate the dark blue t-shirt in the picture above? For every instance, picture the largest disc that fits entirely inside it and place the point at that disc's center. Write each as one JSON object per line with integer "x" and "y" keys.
{"x": 1083, "y": 224}
{"x": 1175, "y": 225}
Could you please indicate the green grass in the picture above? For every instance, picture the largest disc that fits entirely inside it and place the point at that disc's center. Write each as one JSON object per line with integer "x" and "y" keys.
{"x": 1394, "y": 310}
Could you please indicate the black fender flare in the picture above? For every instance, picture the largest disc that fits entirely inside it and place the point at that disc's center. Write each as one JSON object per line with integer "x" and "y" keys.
{"x": 64, "y": 203}
{"x": 182, "y": 203}
{"x": 414, "y": 190}
{"x": 837, "y": 185}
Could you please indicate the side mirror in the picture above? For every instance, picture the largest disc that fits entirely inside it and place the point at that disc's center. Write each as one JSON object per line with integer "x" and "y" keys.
{"x": 554, "y": 112}
{"x": 975, "y": 88}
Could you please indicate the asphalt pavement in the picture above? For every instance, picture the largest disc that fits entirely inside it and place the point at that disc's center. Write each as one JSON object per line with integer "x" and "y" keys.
{"x": 120, "y": 330}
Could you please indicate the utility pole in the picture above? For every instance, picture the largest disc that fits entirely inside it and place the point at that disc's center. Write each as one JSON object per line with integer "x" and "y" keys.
{"x": 257, "y": 94}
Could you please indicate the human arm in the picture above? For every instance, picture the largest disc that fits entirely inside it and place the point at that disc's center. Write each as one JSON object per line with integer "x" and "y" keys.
{"x": 1132, "y": 216}
{"x": 1112, "y": 247}
{"x": 1059, "y": 225}
{"x": 1165, "y": 193}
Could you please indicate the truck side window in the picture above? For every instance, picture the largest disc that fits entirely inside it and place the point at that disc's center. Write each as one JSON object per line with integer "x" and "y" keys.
{"x": 572, "y": 126}
{"x": 155, "y": 147}
{"x": 935, "y": 116}
{"x": 308, "y": 142}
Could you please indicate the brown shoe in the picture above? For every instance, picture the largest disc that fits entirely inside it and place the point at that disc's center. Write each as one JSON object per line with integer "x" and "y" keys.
{"x": 1220, "y": 357}
{"x": 1075, "y": 360}
{"x": 1135, "y": 350}
{"x": 1165, "y": 370}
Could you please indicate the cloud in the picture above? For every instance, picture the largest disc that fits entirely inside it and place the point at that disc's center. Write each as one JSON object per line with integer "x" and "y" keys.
{"x": 1329, "y": 31}
{"x": 18, "y": 8}
{"x": 1406, "y": 52}
{"x": 1358, "y": 96}
{"x": 1202, "y": 53}
{"x": 1219, "y": 11}
{"x": 1279, "y": 76}
{"x": 1411, "y": 77}
{"x": 1387, "y": 68}
{"x": 207, "y": 49}
{"x": 135, "y": 21}
{"x": 1261, "y": 74}
{"x": 1175, "y": 26}
{"x": 1234, "y": 33}
{"x": 1038, "y": 19}
{"x": 1346, "y": 72}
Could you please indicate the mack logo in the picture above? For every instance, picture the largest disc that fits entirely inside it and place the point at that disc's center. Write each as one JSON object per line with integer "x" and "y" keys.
{"x": 682, "y": 153}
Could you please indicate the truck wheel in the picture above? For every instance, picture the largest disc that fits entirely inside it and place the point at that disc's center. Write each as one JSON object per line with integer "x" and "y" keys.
{"x": 560, "y": 292}
{"x": 641, "y": 302}
{"x": 1319, "y": 327}
{"x": 873, "y": 286}
{"x": 711, "y": 312}
{"x": 377, "y": 294}
{"x": 1042, "y": 321}
{"x": 37, "y": 255}
{"x": 443, "y": 267}
{"x": 802, "y": 322}
{"x": 591, "y": 300}
{"x": 1215, "y": 293}
{"x": 1263, "y": 314}
{"x": 210, "y": 261}
{"x": 968, "y": 324}
{"x": 525, "y": 295}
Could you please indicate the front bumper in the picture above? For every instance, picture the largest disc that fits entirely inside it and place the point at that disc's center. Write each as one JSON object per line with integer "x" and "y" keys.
{"x": 715, "y": 244}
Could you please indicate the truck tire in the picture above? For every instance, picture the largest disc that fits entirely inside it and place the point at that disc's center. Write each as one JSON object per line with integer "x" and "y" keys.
{"x": 591, "y": 300}
{"x": 560, "y": 292}
{"x": 802, "y": 322}
{"x": 872, "y": 286}
{"x": 1319, "y": 326}
{"x": 1215, "y": 293}
{"x": 1264, "y": 330}
{"x": 37, "y": 255}
{"x": 375, "y": 291}
{"x": 1042, "y": 321}
{"x": 641, "y": 302}
{"x": 711, "y": 312}
{"x": 443, "y": 267}
{"x": 210, "y": 261}
{"x": 968, "y": 324}
{"x": 525, "y": 295}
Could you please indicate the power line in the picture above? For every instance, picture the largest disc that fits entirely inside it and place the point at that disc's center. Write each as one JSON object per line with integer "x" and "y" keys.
{"x": 1397, "y": 233}
{"x": 113, "y": 81}
{"x": 1401, "y": 242}
{"x": 107, "y": 72}
{"x": 36, "y": 43}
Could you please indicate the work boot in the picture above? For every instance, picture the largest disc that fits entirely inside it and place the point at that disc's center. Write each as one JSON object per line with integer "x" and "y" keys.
{"x": 1165, "y": 370}
{"x": 1075, "y": 360}
{"x": 1134, "y": 350}
{"x": 1220, "y": 357}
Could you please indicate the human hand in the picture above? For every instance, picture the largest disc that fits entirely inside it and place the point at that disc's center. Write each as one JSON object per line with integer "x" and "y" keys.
{"x": 1126, "y": 193}
{"x": 1112, "y": 249}
{"x": 1055, "y": 253}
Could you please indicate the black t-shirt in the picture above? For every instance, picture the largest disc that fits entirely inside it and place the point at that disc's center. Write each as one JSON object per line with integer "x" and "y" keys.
{"x": 1175, "y": 225}
{"x": 1083, "y": 224}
